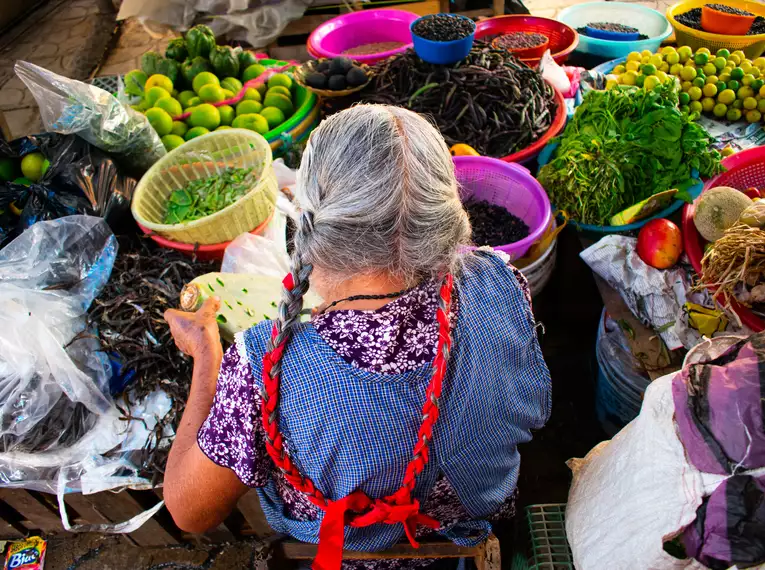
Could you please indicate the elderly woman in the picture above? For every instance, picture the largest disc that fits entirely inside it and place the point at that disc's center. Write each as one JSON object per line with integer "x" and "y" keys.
{"x": 397, "y": 410}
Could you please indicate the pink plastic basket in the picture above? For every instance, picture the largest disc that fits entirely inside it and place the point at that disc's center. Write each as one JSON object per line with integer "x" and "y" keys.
{"x": 335, "y": 36}
{"x": 508, "y": 185}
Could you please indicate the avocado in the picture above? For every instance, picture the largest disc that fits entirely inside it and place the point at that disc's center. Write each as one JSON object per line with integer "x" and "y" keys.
{"x": 336, "y": 83}
{"x": 356, "y": 77}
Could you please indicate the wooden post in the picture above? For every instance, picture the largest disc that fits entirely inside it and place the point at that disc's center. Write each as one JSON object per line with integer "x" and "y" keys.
{"x": 249, "y": 506}
{"x": 498, "y": 7}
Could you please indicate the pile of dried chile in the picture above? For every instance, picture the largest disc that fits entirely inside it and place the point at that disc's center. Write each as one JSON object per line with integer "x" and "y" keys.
{"x": 493, "y": 225}
{"x": 490, "y": 100}
{"x": 443, "y": 28}
{"x": 129, "y": 314}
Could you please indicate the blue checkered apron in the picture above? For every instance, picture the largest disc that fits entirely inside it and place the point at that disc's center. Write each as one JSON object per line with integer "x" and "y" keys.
{"x": 348, "y": 429}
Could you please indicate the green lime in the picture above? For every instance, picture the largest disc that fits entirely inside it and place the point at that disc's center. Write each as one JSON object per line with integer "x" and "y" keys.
{"x": 684, "y": 109}
{"x": 695, "y": 93}
{"x": 688, "y": 73}
{"x": 738, "y": 104}
{"x": 211, "y": 93}
{"x": 280, "y": 79}
{"x": 227, "y": 114}
{"x": 721, "y": 86}
{"x": 232, "y": 84}
{"x": 745, "y": 92}
{"x": 757, "y": 85}
{"x": 700, "y": 59}
{"x": 179, "y": 128}
{"x": 205, "y": 115}
{"x": 722, "y": 52}
{"x": 32, "y": 166}
{"x": 695, "y": 107}
{"x": 286, "y": 92}
{"x": 160, "y": 120}
{"x": 734, "y": 85}
{"x": 699, "y": 82}
{"x": 195, "y": 132}
{"x": 154, "y": 94}
{"x": 248, "y": 106}
{"x": 251, "y": 94}
{"x": 748, "y": 79}
{"x": 684, "y": 98}
{"x": 223, "y": 128}
{"x": 185, "y": 96}
{"x": 280, "y": 102}
{"x": 737, "y": 73}
{"x": 172, "y": 106}
{"x": 733, "y": 114}
{"x": 158, "y": 80}
{"x": 720, "y": 62}
{"x": 252, "y": 72}
{"x": 261, "y": 89}
{"x": 274, "y": 116}
{"x": 172, "y": 141}
{"x": 204, "y": 78}
{"x": 193, "y": 102}
{"x": 252, "y": 122}
{"x": 7, "y": 169}
{"x": 720, "y": 110}
{"x": 750, "y": 103}
{"x": 710, "y": 68}
{"x": 640, "y": 80}
{"x": 227, "y": 94}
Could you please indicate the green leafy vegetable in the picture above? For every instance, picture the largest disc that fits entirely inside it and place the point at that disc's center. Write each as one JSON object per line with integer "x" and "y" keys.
{"x": 205, "y": 196}
{"x": 622, "y": 146}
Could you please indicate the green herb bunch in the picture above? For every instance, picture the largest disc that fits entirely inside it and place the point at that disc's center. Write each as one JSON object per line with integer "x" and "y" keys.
{"x": 622, "y": 146}
{"x": 205, "y": 196}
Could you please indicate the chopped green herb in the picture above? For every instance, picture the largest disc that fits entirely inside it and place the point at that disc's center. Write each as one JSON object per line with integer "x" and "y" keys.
{"x": 221, "y": 319}
{"x": 205, "y": 196}
{"x": 273, "y": 303}
{"x": 220, "y": 281}
{"x": 245, "y": 291}
{"x": 210, "y": 287}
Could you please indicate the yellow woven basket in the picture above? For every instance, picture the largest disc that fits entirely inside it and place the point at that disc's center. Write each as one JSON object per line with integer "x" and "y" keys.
{"x": 198, "y": 158}
{"x": 752, "y": 46}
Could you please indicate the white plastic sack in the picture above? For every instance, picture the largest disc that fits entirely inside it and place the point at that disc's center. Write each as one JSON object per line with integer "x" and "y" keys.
{"x": 631, "y": 494}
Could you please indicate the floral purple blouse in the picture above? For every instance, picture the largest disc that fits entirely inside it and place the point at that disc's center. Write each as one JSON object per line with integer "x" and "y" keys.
{"x": 398, "y": 337}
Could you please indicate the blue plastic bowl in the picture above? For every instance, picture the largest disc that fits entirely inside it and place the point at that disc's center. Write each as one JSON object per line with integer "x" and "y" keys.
{"x": 612, "y": 36}
{"x": 442, "y": 53}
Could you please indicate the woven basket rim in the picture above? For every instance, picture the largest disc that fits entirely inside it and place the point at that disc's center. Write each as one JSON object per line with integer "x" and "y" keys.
{"x": 258, "y": 186}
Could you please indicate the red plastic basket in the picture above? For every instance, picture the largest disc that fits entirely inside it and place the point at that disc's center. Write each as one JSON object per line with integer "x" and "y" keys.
{"x": 559, "y": 121}
{"x": 563, "y": 38}
{"x": 745, "y": 169}
{"x": 211, "y": 252}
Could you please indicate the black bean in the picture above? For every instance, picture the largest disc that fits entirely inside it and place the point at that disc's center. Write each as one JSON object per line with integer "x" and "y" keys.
{"x": 612, "y": 27}
{"x": 729, "y": 10}
{"x": 520, "y": 40}
{"x": 493, "y": 225}
{"x": 443, "y": 28}
{"x": 692, "y": 19}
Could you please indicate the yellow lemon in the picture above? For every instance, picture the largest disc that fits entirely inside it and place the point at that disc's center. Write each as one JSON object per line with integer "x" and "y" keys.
{"x": 707, "y": 104}
{"x": 632, "y": 66}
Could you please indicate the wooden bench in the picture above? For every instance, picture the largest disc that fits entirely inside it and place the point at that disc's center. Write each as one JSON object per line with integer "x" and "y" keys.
{"x": 486, "y": 555}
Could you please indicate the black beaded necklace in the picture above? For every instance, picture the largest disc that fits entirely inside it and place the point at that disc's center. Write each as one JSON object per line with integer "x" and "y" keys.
{"x": 368, "y": 297}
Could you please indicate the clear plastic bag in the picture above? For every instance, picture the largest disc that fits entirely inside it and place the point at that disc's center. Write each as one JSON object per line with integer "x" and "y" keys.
{"x": 69, "y": 106}
{"x": 52, "y": 380}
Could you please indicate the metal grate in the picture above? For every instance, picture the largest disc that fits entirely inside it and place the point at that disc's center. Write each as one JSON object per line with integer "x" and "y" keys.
{"x": 549, "y": 547}
{"x": 106, "y": 82}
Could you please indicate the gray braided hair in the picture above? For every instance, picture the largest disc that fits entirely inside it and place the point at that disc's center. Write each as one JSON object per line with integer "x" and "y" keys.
{"x": 377, "y": 191}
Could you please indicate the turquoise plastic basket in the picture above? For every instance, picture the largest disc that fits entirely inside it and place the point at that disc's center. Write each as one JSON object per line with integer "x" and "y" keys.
{"x": 648, "y": 21}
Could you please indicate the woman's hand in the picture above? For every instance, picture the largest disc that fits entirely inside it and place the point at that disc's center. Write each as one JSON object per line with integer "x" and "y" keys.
{"x": 196, "y": 334}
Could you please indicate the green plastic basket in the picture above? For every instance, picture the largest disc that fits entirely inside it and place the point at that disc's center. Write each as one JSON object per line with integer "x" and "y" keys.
{"x": 549, "y": 547}
{"x": 305, "y": 101}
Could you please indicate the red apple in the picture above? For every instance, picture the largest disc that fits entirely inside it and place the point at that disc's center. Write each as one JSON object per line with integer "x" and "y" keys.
{"x": 660, "y": 243}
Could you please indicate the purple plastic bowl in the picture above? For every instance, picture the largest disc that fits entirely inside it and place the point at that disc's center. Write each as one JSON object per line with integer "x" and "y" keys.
{"x": 511, "y": 186}
{"x": 335, "y": 36}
